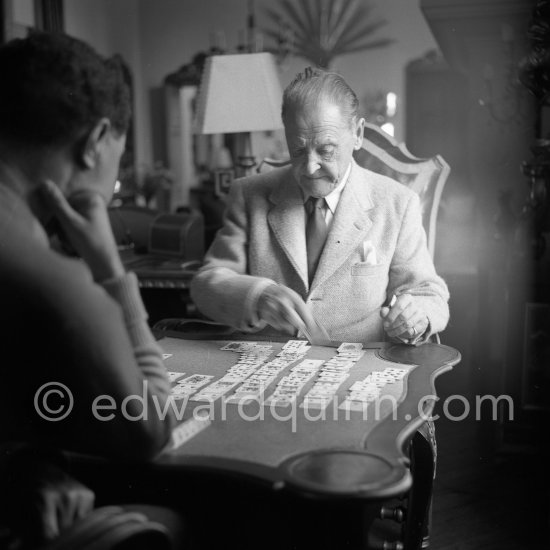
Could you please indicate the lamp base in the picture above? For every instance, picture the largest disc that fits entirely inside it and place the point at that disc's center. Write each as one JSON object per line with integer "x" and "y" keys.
{"x": 245, "y": 159}
{"x": 245, "y": 165}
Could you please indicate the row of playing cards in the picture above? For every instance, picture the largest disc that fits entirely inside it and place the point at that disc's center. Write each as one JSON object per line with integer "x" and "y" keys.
{"x": 365, "y": 391}
{"x": 331, "y": 375}
{"x": 250, "y": 376}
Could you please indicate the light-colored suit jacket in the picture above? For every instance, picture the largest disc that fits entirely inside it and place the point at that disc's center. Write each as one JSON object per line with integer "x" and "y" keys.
{"x": 376, "y": 247}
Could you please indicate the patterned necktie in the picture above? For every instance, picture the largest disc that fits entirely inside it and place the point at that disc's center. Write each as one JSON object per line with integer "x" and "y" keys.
{"x": 316, "y": 233}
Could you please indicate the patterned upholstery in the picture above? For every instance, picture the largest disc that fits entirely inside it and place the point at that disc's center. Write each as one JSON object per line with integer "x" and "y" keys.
{"x": 426, "y": 176}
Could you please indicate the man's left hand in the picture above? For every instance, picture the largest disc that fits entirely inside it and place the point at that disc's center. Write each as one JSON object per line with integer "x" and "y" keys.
{"x": 85, "y": 220}
{"x": 405, "y": 319}
{"x": 43, "y": 500}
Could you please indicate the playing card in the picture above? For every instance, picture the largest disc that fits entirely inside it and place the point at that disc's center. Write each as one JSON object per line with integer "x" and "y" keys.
{"x": 296, "y": 345}
{"x": 349, "y": 346}
{"x": 196, "y": 380}
{"x": 310, "y": 363}
{"x": 316, "y": 403}
{"x": 351, "y": 405}
{"x": 279, "y": 401}
{"x": 174, "y": 375}
{"x": 232, "y": 346}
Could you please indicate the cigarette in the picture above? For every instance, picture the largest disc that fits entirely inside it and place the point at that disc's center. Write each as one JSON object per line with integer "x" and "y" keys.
{"x": 392, "y": 301}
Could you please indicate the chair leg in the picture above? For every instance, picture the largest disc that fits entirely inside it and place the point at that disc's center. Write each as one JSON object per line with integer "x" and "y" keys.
{"x": 423, "y": 465}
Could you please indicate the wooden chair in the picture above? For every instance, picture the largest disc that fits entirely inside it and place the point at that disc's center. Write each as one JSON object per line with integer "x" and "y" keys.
{"x": 383, "y": 154}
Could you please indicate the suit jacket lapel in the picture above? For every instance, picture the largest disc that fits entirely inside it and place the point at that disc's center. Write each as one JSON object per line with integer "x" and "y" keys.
{"x": 287, "y": 221}
{"x": 350, "y": 224}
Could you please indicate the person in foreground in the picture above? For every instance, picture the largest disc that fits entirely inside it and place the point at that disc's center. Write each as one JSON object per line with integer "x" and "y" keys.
{"x": 323, "y": 241}
{"x": 80, "y": 368}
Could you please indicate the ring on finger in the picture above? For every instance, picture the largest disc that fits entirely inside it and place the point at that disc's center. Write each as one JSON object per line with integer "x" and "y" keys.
{"x": 415, "y": 333}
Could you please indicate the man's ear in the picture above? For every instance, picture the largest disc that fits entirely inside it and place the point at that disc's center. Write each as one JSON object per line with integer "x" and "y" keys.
{"x": 93, "y": 143}
{"x": 359, "y": 132}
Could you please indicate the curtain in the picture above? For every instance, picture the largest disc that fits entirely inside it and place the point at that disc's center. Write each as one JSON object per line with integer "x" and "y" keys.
{"x": 50, "y": 15}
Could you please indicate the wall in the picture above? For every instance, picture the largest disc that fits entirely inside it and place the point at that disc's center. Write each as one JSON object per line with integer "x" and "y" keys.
{"x": 113, "y": 27}
{"x": 89, "y": 20}
{"x": 157, "y": 37}
{"x": 476, "y": 38}
{"x": 172, "y": 31}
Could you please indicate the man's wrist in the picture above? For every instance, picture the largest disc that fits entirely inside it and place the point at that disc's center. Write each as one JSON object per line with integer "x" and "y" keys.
{"x": 108, "y": 269}
{"x": 252, "y": 305}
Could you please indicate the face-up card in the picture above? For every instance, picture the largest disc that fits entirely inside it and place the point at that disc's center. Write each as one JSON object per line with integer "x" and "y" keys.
{"x": 279, "y": 401}
{"x": 311, "y": 363}
{"x": 232, "y": 346}
{"x": 349, "y": 346}
{"x": 296, "y": 345}
{"x": 352, "y": 405}
{"x": 204, "y": 397}
{"x": 183, "y": 390}
{"x": 316, "y": 403}
{"x": 172, "y": 376}
{"x": 396, "y": 373}
{"x": 196, "y": 380}
{"x": 243, "y": 398}
{"x": 329, "y": 378}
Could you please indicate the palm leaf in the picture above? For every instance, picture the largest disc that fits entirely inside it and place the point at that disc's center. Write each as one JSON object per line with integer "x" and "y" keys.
{"x": 352, "y": 22}
{"x": 331, "y": 10}
{"x": 343, "y": 15}
{"x": 309, "y": 13}
{"x": 292, "y": 15}
{"x": 362, "y": 32}
{"x": 357, "y": 14}
{"x": 326, "y": 28}
{"x": 375, "y": 44}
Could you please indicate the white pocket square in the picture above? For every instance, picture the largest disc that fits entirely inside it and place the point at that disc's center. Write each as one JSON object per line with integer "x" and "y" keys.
{"x": 369, "y": 253}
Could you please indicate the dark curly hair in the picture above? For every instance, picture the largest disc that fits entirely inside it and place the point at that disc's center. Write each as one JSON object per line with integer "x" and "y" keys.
{"x": 56, "y": 88}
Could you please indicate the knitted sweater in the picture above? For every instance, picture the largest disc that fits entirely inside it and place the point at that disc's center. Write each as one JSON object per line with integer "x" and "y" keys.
{"x": 63, "y": 332}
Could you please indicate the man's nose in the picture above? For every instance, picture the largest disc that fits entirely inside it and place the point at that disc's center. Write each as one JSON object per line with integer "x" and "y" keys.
{"x": 312, "y": 164}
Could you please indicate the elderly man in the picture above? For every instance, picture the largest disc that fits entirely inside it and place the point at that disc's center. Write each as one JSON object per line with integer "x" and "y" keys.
{"x": 323, "y": 241}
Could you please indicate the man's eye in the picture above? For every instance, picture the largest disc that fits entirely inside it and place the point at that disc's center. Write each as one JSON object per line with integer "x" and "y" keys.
{"x": 326, "y": 152}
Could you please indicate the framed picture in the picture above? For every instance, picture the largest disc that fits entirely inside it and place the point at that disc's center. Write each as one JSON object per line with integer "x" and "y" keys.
{"x": 536, "y": 357}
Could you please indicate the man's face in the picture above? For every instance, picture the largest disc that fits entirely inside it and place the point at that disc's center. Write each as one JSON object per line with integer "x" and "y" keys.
{"x": 320, "y": 142}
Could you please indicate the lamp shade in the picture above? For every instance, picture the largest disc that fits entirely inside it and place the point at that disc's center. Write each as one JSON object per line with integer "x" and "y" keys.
{"x": 239, "y": 93}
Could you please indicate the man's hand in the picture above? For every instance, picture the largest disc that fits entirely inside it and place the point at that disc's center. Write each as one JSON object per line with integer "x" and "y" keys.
{"x": 84, "y": 218}
{"x": 45, "y": 501}
{"x": 283, "y": 309}
{"x": 58, "y": 504}
{"x": 405, "y": 319}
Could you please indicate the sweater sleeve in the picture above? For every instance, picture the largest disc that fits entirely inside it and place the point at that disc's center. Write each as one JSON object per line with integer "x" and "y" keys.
{"x": 125, "y": 291}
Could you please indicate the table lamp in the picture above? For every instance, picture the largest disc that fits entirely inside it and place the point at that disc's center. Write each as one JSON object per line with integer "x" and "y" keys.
{"x": 239, "y": 94}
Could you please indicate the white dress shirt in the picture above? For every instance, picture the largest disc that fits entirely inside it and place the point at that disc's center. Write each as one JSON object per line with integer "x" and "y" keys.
{"x": 333, "y": 198}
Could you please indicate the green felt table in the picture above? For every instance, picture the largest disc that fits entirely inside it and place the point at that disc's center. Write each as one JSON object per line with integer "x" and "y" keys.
{"x": 330, "y": 452}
